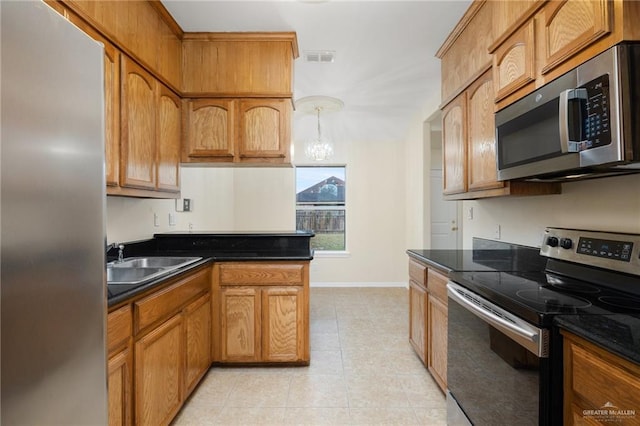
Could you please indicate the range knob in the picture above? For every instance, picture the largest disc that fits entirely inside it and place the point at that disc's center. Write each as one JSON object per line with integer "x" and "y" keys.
{"x": 566, "y": 243}
{"x": 552, "y": 241}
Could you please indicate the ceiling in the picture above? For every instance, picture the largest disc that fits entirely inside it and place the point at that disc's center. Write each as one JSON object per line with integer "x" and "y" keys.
{"x": 384, "y": 71}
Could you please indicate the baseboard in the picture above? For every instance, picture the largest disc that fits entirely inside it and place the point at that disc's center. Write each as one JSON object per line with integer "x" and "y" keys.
{"x": 359, "y": 284}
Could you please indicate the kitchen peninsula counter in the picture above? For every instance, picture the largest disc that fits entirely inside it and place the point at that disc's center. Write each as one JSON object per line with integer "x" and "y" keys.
{"x": 212, "y": 246}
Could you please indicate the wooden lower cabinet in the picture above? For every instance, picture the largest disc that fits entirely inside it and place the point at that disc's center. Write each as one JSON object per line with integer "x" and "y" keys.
{"x": 159, "y": 349}
{"x": 120, "y": 364}
{"x": 428, "y": 318}
{"x": 119, "y": 388}
{"x": 599, "y": 387}
{"x": 283, "y": 324}
{"x": 240, "y": 324}
{"x": 262, "y": 312}
{"x": 437, "y": 338}
{"x": 418, "y": 319}
{"x": 197, "y": 322}
{"x": 159, "y": 373}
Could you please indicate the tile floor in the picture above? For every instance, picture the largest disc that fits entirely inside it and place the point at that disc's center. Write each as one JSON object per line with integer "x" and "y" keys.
{"x": 363, "y": 372}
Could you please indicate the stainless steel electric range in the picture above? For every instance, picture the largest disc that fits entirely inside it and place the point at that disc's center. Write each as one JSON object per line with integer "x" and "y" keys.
{"x": 504, "y": 356}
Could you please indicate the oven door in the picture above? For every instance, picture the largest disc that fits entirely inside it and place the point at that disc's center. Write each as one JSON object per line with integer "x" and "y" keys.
{"x": 496, "y": 364}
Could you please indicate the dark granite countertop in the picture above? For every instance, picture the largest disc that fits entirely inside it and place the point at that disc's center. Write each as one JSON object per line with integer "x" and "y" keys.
{"x": 486, "y": 255}
{"x": 617, "y": 333}
{"x": 233, "y": 234}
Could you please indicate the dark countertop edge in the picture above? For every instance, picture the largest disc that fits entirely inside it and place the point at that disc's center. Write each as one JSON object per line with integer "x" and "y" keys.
{"x": 443, "y": 268}
{"x": 567, "y": 322}
{"x": 116, "y": 300}
{"x": 232, "y": 234}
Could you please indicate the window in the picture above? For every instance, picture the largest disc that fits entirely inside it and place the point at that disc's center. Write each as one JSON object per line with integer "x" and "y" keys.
{"x": 320, "y": 205}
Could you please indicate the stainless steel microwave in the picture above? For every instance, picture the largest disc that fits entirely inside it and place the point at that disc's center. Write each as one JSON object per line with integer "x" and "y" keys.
{"x": 583, "y": 124}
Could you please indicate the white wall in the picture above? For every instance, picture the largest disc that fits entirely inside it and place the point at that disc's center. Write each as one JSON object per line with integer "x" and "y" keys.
{"x": 375, "y": 219}
{"x": 607, "y": 204}
{"x": 224, "y": 199}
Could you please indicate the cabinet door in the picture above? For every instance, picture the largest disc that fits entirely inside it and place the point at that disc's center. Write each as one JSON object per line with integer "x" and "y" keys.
{"x": 454, "y": 146}
{"x": 514, "y": 62}
{"x": 482, "y": 171}
{"x": 138, "y": 129}
{"x": 570, "y": 26}
{"x": 264, "y": 129}
{"x": 437, "y": 347}
{"x": 240, "y": 324}
{"x": 418, "y": 319}
{"x": 197, "y": 317}
{"x": 210, "y": 129}
{"x": 283, "y": 324}
{"x": 169, "y": 124}
{"x": 111, "y": 101}
{"x": 159, "y": 373}
{"x": 119, "y": 388}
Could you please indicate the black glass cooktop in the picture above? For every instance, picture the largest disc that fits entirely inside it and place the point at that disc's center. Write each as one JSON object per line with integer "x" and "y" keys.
{"x": 538, "y": 296}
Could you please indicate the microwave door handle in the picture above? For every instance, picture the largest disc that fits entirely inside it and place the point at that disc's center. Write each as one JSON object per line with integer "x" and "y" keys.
{"x": 567, "y": 145}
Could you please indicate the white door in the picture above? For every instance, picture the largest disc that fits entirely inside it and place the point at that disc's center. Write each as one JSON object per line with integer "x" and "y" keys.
{"x": 444, "y": 216}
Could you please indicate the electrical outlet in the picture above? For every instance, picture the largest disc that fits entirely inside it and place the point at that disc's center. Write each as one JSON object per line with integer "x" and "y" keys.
{"x": 156, "y": 219}
{"x": 172, "y": 219}
{"x": 496, "y": 232}
{"x": 186, "y": 205}
{"x": 470, "y": 213}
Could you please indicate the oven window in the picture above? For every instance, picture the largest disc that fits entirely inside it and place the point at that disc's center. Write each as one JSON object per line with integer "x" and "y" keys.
{"x": 493, "y": 379}
{"x": 534, "y": 135}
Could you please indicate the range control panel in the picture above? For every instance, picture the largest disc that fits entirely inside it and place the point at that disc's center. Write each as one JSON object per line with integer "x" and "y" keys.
{"x": 618, "y": 252}
{"x": 609, "y": 249}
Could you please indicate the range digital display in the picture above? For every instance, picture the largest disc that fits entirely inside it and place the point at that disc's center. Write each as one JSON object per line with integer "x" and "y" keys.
{"x": 616, "y": 250}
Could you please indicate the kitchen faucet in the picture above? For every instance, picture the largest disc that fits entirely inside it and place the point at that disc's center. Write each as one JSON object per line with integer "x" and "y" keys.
{"x": 120, "y": 253}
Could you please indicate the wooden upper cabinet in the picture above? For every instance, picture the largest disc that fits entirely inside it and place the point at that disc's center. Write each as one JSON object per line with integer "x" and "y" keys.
{"x": 238, "y": 64}
{"x": 464, "y": 54}
{"x": 168, "y": 135}
{"x": 514, "y": 62}
{"x": 255, "y": 131}
{"x": 138, "y": 166}
{"x": 111, "y": 99}
{"x": 454, "y": 146}
{"x": 570, "y": 26}
{"x": 143, "y": 29}
{"x": 482, "y": 173}
{"x": 209, "y": 130}
{"x": 264, "y": 128}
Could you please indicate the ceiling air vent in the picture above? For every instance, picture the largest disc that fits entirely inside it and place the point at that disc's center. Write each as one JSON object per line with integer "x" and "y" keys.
{"x": 320, "y": 56}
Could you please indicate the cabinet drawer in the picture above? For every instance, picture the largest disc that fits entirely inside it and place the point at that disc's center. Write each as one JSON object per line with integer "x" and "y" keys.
{"x": 595, "y": 379}
{"x": 261, "y": 274}
{"x": 170, "y": 300}
{"x": 418, "y": 272}
{"x": 119, "y": 327}
{"x": 437, "y": 285}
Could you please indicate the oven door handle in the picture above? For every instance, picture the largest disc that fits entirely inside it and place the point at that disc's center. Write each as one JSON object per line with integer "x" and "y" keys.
{"x": 532, "y": 338}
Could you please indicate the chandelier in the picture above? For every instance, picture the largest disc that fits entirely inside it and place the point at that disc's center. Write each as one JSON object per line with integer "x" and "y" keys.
{"x": 319, "y": 148}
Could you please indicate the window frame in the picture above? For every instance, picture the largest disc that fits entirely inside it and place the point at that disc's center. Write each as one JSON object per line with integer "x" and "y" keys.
{"x": 310, "y": 206}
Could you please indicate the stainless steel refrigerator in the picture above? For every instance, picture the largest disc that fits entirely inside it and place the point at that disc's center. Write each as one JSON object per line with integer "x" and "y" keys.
{"x": 52, "y": 219}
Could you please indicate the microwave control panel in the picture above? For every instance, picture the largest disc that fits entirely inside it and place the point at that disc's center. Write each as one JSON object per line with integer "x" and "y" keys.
{"x": 596, "y": 129}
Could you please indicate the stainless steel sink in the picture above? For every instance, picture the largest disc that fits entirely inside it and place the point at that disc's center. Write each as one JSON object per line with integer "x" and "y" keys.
{"x": 132, "y": 275}
{"x": 138, "y": 270}
{"x": 154, "y": 262}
